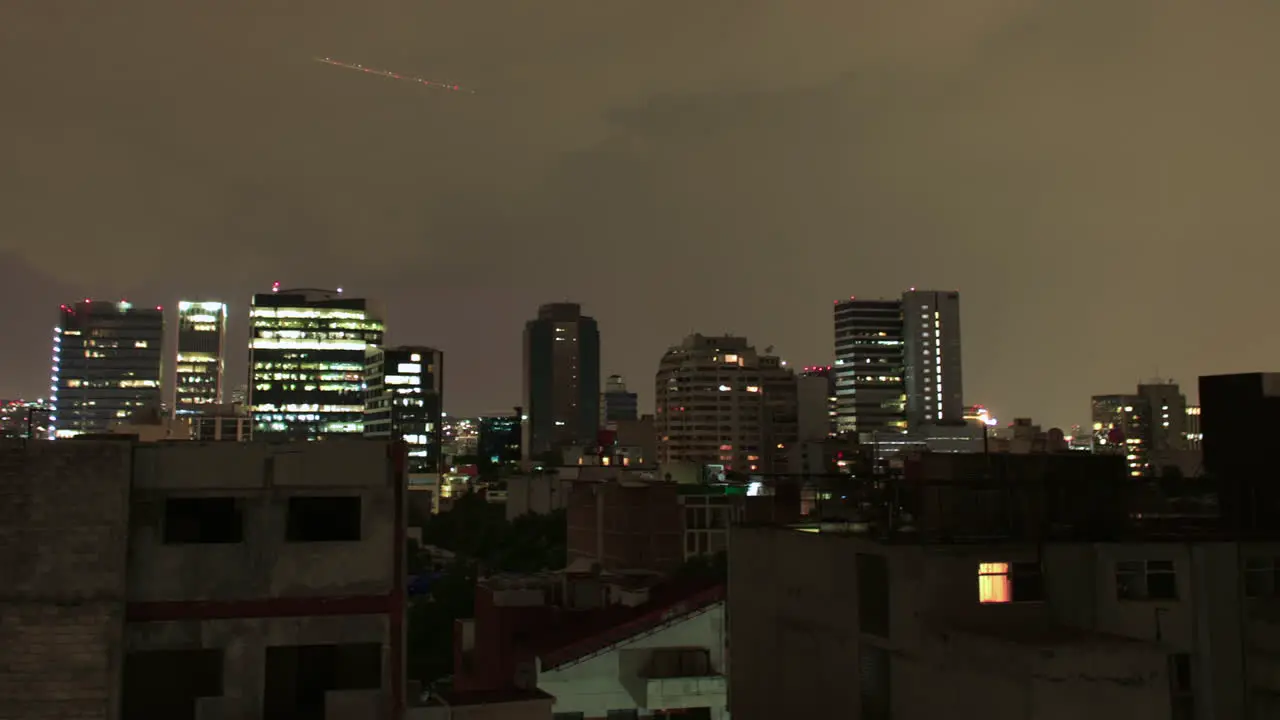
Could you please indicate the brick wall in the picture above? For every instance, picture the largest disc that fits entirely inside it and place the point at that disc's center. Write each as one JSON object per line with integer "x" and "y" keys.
{"x": 63, "y": 534}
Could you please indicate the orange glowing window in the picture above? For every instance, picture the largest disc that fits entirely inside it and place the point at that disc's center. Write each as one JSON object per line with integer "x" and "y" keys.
{"x": 994, "y": 583}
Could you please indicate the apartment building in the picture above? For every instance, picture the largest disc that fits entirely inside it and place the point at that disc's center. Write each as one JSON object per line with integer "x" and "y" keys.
{"x": 720, "y": 404}
{"x": 201, "y": 580}
{"x": 1019, "y": 601}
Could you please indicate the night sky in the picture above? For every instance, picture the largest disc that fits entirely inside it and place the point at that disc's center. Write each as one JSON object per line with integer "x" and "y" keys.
{"x": 1096, "y": 177}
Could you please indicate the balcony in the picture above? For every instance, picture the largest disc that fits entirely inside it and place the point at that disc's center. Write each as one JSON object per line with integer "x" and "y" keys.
{"x": 686, "y": 692}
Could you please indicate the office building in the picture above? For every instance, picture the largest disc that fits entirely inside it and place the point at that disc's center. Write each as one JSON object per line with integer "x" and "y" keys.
{"x": 816, "y": 402}
{"x": 106, "y": 365}
{"x": 307, "y": 362}
{"x": 561, "y": 379}
{"x": 931, "y": 357}
{"x": 898, "y": 362}
{"x": 724, "y": 407}
{"x": 1149, "y": 428}
{"x": 203, "y": 580}
{"x": 870, "y": 391}
{"x": 498, "y": 441}
{"x": 202, "y": 337}
{"x": 617, "y": 405}
{"x": 404, "y": 400}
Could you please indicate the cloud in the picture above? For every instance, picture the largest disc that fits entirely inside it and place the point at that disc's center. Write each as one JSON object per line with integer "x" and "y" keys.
{"x": 1089, "y": 174}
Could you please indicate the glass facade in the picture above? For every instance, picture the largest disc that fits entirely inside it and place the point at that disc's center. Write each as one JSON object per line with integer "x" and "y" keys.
{"x": 404, "y": 399}
{"x": 106, "y": 365}
{"x": 307, "y": 362}
{"x": 202, "y": 331}
{"x": 498, "y": 444}
{"x": 870, "y": 392}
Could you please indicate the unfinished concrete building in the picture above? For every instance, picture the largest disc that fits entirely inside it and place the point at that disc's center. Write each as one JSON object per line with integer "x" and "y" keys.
{"x": 201, "y": 580}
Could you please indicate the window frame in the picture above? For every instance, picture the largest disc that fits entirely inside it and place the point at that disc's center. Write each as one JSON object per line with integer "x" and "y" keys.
{"x": 1140, "y": 572}
{"x": 1261, "y": 576}
{"x": 1013, "y": 572}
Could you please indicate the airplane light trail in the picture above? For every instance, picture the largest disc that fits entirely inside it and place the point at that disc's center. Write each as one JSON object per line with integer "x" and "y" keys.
{"x": 396, "y": 76}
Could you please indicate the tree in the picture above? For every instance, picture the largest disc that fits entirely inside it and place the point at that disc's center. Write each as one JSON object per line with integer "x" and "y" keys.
{"x": 430, "y": 620}
{"x": 709, "y": 567}
{"x": 482, "y": 538}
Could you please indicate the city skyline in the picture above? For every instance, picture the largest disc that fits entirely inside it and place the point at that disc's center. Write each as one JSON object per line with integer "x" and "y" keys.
{"x": 1064, "y": 166}
{"x": 236, "y": 372}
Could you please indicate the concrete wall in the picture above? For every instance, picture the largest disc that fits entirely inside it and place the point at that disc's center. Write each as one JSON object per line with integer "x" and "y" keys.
{"x": 540, "y": 494}
{"x": 244, "y": 643}
{"x": 613, "y": 680}
{"x": 64, "y": 515}
{"x": 795, "y": 638}
{"x": 264, "y": 565}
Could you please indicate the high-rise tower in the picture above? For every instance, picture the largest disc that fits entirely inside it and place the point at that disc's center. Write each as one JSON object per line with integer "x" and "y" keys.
{"x": 106, "y": 365}
{"x": 898, "y": 362}
{"x": 561, "y": 379}
{"x": 870, "y": 392}
{"x": 931, "y": 357}
{"x": 307, "y": 362}
{"x": 404, "y": 399}
{"x": 202, "y": 333}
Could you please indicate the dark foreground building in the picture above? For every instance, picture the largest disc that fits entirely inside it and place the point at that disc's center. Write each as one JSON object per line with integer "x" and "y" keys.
{"x": 201, "y": 580}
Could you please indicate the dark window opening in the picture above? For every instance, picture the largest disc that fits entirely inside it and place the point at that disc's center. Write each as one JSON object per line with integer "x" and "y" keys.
{"x": 323, "y": 519}
{"x": 202, "y": 520}
{"x": 622, "y": 714}
{"x": 1261, "y": 577}
{"x": 873, "y": 594}
{"x": 679, "y": 663}
{"x": 1181, "y": 695}
{"x": 167, "y": 683}
{"x": 1146, "y": 580}
{"x": 298, "y": 677}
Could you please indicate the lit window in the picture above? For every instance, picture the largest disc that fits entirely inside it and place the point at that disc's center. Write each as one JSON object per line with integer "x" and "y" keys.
{"x": 994, "y": 583}
{"x": 1009, "y": 583}
{"x": 731, "y": 359}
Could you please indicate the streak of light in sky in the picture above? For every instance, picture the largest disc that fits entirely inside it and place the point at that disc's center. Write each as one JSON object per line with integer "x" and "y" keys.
{"x": 396, "y": 76}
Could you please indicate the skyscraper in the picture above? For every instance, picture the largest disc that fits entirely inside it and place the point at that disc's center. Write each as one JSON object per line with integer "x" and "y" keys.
{"x": 202, "y": 333}
{"x": 617, "y": 404}
{"x": 870, "y": 392}
{"x": 106, "y": 365}
{"x": 404, "y": 399}
{"x": 561, "y": 379}
{"x": 307, "y": 362}
{"x": 898, "y": 362}
{"x": 931, "y": 357}
{"x": 721, "y": 405}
